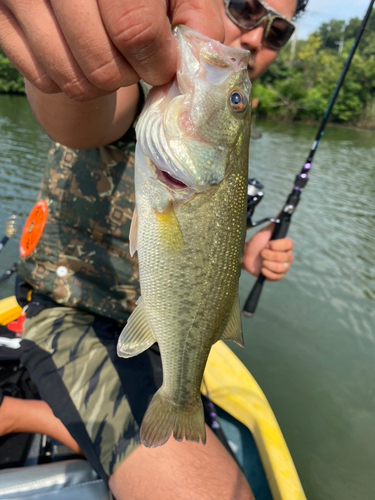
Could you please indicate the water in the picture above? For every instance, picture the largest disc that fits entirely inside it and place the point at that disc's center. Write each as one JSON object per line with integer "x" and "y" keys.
{"x": 23, "y": 152}
{"x": 311, "y": 343}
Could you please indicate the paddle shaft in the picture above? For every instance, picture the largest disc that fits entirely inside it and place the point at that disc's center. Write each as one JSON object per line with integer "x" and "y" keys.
{"x": 281, "y": 229}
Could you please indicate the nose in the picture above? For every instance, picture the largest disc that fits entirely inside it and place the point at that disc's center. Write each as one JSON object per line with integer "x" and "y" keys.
{"x": 252, "y": 40}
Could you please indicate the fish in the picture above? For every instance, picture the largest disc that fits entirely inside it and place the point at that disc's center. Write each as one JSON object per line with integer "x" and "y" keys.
{"x": 188, "y": 227}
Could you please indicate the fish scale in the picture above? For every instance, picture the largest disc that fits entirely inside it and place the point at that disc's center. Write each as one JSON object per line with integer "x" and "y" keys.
{"x": 190, "y": 240}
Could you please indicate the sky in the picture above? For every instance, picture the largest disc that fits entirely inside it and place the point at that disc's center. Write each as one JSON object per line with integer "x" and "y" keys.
{"x": 320, "y": 11}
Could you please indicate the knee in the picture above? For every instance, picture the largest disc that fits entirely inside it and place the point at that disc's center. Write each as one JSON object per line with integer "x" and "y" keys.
{"x": 181, "y": 471}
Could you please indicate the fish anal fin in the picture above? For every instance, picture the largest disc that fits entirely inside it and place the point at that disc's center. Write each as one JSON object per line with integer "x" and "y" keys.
{"x": 233, "y": 329}
{"x": 137, "y": 335}
{"x": 133, "y": 233}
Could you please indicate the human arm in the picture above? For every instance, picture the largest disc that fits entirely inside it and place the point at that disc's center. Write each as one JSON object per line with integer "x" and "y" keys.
{"x": 88, "y": 50}
{"x": 271, "y": 258}
{"x": 85, "y": 48}
{"x": 85, "y": 125}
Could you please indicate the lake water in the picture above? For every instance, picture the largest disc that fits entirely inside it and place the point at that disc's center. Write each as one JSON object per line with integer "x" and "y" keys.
{"x": 311, "y": 343}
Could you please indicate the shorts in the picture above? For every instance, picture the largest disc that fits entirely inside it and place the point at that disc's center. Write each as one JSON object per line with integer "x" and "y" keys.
{"x": 100, "y": 398}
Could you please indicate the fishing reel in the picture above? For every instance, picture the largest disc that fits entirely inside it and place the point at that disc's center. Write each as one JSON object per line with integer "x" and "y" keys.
{"x": 254, "y": 197}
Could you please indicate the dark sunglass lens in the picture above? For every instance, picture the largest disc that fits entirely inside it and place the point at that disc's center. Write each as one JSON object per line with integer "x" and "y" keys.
{"x": 256, "y": 8}
{"x": 279, "y": 33}
{"x": 246, "y": 12}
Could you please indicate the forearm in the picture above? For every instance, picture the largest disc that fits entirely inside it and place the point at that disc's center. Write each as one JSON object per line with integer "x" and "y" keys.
{"x": 35, "y": 417}
{"x": 84, "y": 125}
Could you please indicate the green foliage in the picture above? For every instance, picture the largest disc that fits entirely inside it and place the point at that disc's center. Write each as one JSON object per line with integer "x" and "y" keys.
{"x": 331, "y": 33}
{"x": 11, "y": 82}
{"x": 300, "y": 86}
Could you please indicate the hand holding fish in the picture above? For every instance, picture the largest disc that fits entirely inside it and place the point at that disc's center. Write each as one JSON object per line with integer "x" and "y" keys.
{"x": 272, "y": 258}
{"x": 87, "y": 49}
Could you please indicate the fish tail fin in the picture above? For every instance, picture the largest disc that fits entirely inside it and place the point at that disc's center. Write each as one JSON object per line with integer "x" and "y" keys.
{"x": 163, "y": 419}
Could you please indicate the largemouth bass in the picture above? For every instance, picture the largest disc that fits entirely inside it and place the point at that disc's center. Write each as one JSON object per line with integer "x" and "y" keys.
{"x": 189, "y": 226}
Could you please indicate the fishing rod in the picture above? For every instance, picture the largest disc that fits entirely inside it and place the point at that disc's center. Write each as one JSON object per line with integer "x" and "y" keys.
{"x": 11, "y": 229}
{"x": 284, "y": 219}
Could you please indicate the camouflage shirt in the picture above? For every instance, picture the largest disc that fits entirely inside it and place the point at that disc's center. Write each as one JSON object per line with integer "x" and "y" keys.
{"x": 82, "y": 258}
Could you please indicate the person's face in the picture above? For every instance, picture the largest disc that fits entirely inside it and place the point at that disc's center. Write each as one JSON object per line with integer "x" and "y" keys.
{"x": 261, "y": 56}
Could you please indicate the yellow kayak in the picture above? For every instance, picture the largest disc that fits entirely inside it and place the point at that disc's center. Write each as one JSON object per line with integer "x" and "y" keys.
{"x": 232, "y": 388}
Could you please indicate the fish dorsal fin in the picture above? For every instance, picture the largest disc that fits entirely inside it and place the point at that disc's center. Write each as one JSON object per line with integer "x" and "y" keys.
{"x": 233, "y": 330}
{"x": 137, "y": 335}
{"x": 133, "y": 233}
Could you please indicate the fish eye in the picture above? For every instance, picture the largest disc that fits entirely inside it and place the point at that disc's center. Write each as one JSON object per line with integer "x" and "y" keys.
{"x": 238, "y": 101}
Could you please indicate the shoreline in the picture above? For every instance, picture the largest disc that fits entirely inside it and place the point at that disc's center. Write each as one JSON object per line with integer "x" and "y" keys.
{"x": 359, "y": 126}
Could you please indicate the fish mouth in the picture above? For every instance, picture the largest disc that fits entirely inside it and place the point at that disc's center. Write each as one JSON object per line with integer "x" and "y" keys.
{"x": 167, "y": 179}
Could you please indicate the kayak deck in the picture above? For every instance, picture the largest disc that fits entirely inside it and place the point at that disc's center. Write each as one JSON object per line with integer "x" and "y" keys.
{"x": 246, "y": 452}
{"x": 233, "y": 389}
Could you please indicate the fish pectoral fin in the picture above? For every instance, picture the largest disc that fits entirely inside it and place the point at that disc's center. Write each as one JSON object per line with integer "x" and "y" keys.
{"x": 137, "y": 335}
{"x": 169, "y": 229}
{"x": 133, "y": 233}
{"x": 233, "y": 330}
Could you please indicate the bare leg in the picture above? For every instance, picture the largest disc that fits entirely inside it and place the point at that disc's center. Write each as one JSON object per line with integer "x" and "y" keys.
{"x": 180, "y": 471}
{"x": 36, "y": 417}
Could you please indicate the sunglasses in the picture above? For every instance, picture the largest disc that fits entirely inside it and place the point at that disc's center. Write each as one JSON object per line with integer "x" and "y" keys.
{"x": 249, "y": 14}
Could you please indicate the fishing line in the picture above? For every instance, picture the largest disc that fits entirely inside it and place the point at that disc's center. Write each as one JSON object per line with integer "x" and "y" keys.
{"x": 284, "y": 219}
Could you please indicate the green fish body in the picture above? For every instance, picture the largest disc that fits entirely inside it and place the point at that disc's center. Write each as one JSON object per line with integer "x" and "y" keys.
{"x": 189, "y": 228}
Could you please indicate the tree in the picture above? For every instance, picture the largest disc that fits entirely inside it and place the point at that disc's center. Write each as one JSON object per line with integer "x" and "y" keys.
{"x": 11, "y": 81}
{"x": 301, "y": 89}
{"x": 331, "y": 33}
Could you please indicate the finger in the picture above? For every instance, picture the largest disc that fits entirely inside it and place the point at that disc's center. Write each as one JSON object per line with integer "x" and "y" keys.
{"x": 276, "y": 267}
{"x": 50, "y": 49}
{"x": 269, "y": 229}
{"x": 274, "y": 256}
{"x": 97, "y": 57}
{"x": 271, "y": 276}
{"x": 141, "y": 32}
{"x": 16, "y": 48}
{"x": 282, "y": 245}
{"x": 204, "y": 17}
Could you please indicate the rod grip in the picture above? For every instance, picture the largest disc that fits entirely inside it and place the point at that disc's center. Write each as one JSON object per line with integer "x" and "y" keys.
{"x": 251, "y": 303}
{"x": 252, "y": 300}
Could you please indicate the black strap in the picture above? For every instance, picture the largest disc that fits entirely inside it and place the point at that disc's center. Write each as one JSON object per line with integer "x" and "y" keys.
{"x": 22, "y": 291}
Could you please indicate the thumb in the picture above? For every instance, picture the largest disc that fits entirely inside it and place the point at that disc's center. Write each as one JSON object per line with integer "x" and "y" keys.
{"x": 200, "y": 15}
{"x": 268, "y": 229}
